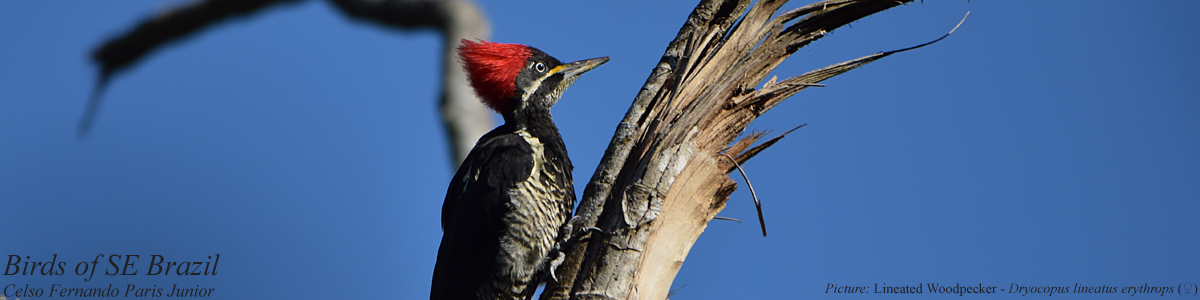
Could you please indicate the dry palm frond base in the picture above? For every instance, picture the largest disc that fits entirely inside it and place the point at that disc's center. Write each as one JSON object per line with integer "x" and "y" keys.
{"x": 666, "y": 172}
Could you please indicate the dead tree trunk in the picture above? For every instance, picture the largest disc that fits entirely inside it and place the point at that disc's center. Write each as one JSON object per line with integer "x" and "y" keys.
{"x": 665, "y": 174}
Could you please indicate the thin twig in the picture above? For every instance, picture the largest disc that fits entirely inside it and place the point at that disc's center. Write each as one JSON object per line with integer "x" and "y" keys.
{"x": 672, "y": 292}
{"x": 727, "y": 219}
{"x": 806, "y": 84}
{"x": 960, "y": 22}
{"x": 757, "y": 204}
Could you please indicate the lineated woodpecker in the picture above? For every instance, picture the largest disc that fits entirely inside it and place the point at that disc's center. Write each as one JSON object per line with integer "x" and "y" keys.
{"x": 505, "y": 205}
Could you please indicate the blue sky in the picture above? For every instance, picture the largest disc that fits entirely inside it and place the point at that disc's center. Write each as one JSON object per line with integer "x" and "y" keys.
{"x": 1043, "y": 144}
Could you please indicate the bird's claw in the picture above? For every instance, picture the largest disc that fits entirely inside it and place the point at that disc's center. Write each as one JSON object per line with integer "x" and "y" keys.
{"x": 568, "y": 236}
{"x": 557, "y": 261}
{"x": 583, "y": 235}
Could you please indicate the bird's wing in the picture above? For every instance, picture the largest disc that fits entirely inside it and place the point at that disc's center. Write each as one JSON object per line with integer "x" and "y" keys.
{"x": 494, "y": 165}
{"x": 473, "y": 212}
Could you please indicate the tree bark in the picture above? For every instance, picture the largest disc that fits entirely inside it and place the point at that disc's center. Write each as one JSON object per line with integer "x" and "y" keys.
{"x": 665, "y": 174}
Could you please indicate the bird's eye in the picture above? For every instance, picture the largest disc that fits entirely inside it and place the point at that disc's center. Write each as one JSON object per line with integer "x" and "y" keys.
{"x": 539, "y": 67}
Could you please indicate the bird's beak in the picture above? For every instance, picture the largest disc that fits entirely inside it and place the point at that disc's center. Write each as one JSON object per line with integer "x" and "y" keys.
{"x": 571, "y": 70}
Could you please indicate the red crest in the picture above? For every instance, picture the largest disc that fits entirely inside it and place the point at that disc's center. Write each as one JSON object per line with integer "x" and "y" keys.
{"x": 492, "y": 69}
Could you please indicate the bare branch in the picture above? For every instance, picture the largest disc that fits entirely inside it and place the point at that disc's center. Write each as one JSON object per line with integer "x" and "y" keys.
{"x": 166, "y": 27}
{"x": 463, "y": 116}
